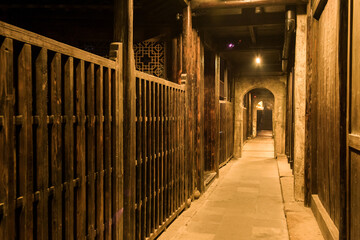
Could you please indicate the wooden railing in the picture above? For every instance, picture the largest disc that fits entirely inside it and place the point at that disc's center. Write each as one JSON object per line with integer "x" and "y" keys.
{"x": 226, "y": 131}
{"x": 59, "y": 140}
{"x": 160, "y": 165}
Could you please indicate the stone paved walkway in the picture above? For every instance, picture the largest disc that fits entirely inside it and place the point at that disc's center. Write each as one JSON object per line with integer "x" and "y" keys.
{"x": 244, "y": 203}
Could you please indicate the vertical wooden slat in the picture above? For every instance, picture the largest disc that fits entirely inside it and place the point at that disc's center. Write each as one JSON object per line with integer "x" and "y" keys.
{"x": 176, "y": 146}
{"x": 139, "y": 159}
{"x": 90, "y": 149}
{"x": 150, "y": 158}
{"x": 25, "y": 230}
{"x": 56, "y": 145}
{"x": 158, "y": 154}
{"x": 7, "y": 187}
{"x": 42, "y": 176}
{"x": 69, "y": 149}
{"x": 145, "y": 158}
{"x": 166, "y": 149}
{"x": 107, "y": 153}
{"x": 161, "y": 143}
{"x": 172, "y": 138}
{"x": 154, "y": 157}
{"x": 80, "y": 144}
{"x": 99, "y": 154}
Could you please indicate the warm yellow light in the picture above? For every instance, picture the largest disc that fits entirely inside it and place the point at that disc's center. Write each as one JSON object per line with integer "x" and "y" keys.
{"x": 260, "y": 105}
{"x": 258, "y": 60}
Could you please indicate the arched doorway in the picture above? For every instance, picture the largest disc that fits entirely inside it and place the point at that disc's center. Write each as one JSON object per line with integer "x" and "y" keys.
{"x": 258, "y": 113}
{"x": 276, "y": 85}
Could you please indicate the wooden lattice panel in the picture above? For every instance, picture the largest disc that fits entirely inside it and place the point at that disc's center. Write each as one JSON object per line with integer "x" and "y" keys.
{"x": 150, "y": 57}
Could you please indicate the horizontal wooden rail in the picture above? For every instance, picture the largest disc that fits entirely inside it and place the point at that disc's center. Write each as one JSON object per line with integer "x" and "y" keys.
{"x": 158, "y": 80}
{"x": 19, "y": 34}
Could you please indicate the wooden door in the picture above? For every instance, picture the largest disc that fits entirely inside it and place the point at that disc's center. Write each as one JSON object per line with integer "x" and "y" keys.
{"x": 354, "y": 125}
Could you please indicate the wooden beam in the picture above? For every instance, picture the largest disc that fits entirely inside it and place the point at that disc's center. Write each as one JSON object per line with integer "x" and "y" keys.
{"x": 123, "y": 32}
{"x": 252, "y": 34}
{"x": 245, "y": 19}
{"x": 200, "y": 5}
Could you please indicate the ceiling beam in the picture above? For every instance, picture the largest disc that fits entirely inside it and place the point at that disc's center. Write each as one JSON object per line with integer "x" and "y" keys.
{"x": 252, "y": 34}
{"x": 245, "y": 19}
{"x": 197, "y": 5}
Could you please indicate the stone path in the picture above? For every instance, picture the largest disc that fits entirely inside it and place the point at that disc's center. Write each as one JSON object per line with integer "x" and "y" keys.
{"x": 244, "y": 203}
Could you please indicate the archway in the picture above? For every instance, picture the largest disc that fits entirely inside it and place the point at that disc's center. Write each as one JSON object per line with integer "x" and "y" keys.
{"x": 276, "y": 85}
{"x": 258, "y": 113}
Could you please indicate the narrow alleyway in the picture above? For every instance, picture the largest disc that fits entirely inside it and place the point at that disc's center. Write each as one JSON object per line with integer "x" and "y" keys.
{"x": 245, "y": 203}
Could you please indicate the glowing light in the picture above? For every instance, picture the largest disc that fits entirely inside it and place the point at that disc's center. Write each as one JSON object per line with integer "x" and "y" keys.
{"x": 258, "y": 60}
{"x": 231, "y": 45}
{"x": 260, "y": 105}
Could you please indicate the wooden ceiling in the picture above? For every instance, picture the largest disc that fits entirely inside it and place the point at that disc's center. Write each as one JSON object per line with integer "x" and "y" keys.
{"x": 242, "y": 34}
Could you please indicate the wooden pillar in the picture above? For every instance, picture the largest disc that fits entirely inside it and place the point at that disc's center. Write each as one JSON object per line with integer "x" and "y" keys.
{"x": 217, "y": 113}
{"x": 200, "y": 113}
{"x": 309, "y": 109}
{"x": 174, "y": 60}
{"x": 123, "y": 32}
{"x": 187, "y": 55}
{"x": 250, "y": 113}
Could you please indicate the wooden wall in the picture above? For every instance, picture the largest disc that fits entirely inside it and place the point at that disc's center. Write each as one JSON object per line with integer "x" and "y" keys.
{"x": 323, "y": 116}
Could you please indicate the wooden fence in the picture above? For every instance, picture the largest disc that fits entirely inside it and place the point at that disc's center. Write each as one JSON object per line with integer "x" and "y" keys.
{"x": 60, "y": 158}
{"x": 226, "y": 131}
{"x": 160, "y": 165}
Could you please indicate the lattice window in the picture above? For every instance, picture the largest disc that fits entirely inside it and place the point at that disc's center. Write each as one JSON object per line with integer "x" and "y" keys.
{"x": 150, "y": 57}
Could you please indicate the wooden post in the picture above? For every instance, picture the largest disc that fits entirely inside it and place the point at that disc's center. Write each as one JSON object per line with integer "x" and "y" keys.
{"x": 123, "y": 32}
{"x": 200, "y": 113}
{"x": 7, "y": 95}
{"x": 217, "y": 113}
{"x": 69, "y": 148}
{"x": 187, "y": 55}
{"x": 308, "y": 110}
{"x": 80, "y": 151}
{"x": 26, "y": 148}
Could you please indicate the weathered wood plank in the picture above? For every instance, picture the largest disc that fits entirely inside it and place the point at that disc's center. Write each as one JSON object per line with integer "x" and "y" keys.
{"x": 80, "y": 151}
{"x": 7, "y": 186}
{"x": 56, "y": 144}
{"x": 145, "y": 160}
{"x": 68, "y": 164}
{"x": 90, "y": 149}
{"x": 42, "y": 168}
{"x": 107, "y": 154}
{"x": 99, "y": 163}
{"x": 161, "y": 139}
{"x": 149, "y": 158}
{"x": 139, "y": 159}
{"x": 25, "y": 228}
{"x": 154, "y": 158}
{"x": 158, "y": 155}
